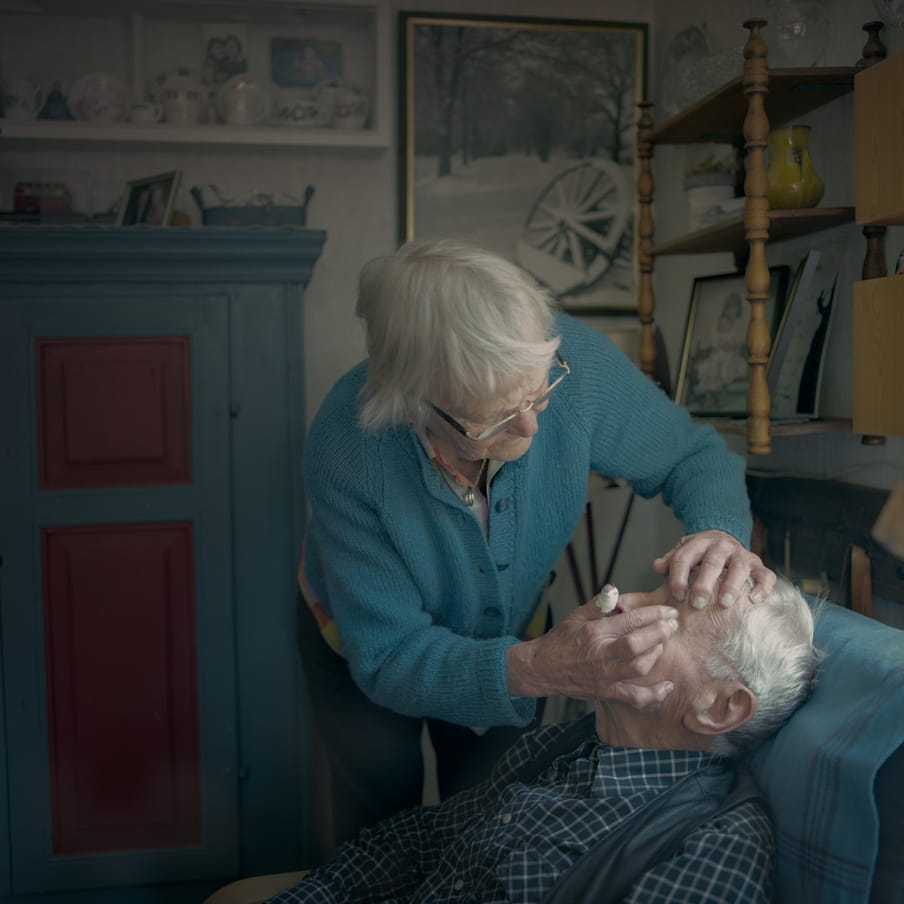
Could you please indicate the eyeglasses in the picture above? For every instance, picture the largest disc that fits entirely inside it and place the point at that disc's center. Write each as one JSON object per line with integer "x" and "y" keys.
{"x": 496, "y": 429}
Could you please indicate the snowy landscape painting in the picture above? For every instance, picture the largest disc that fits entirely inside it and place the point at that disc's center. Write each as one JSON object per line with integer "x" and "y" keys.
{"x": 518, "y": 134}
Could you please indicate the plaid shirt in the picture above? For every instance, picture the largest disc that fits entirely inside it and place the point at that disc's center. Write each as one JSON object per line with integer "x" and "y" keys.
{"x": 507, "y": 841}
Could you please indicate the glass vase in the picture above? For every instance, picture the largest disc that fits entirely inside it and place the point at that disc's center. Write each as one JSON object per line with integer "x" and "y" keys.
{"x": 797, "y": 32}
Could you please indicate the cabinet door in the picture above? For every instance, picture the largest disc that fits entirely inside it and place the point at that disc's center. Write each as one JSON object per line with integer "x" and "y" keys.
{"x": 118, "y": 638}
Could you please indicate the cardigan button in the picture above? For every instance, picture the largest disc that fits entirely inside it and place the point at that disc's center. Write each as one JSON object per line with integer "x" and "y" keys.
{"x": 502, "y": 504}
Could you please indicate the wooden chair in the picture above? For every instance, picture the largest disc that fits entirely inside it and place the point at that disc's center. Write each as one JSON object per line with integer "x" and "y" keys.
{"x": 255, "y": 889}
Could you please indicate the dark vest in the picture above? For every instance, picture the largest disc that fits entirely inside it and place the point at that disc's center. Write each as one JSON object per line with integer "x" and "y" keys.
{"x": 655, "y": 832}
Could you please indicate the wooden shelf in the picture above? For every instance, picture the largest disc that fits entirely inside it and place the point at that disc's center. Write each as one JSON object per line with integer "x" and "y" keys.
{"x": 742, "y": 112}
{"x": 719, "y": 117}
{"x": 730, "y": 235}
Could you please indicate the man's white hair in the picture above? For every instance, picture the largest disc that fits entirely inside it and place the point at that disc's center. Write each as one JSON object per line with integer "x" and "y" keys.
{"x": 446, "y": 316}
{"x": 770, "y": 649}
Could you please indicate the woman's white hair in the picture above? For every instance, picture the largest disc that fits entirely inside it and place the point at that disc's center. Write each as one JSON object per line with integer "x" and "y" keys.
{"x": 771, "y": 651}
{"x": 446, "y": 316}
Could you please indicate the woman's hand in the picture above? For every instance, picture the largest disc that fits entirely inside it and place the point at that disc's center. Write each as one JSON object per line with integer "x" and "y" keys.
{"x": 713, "y": 552}
{"x": 589, "y": 656}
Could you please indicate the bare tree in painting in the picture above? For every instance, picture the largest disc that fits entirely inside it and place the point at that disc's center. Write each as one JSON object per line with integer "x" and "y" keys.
{"x": 448, "y": 51}
{"x": 481, "y": 88}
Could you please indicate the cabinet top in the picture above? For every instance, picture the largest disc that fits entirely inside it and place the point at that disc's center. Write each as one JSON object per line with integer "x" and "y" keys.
{"x": 114, "y": 254}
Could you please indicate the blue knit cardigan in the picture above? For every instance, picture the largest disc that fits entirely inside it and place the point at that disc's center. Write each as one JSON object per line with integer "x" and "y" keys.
{"x": 425, "y": 602}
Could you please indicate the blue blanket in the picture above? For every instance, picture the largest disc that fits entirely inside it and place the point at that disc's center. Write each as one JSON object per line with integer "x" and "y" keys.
{"x": 819, "y": 770}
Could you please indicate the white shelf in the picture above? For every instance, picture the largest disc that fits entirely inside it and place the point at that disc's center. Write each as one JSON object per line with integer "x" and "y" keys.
{"x": 162, "y": 133}
{"x": 140, "y": 50}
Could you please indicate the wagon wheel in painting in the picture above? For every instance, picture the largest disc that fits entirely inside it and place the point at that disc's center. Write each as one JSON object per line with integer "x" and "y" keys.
{"x": 571, "y": 235}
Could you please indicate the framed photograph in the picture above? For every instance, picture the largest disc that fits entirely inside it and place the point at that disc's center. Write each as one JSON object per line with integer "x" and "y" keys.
{"x": 518, "y": 134}
{"x": 303, "y": 62}
{"x": 713, "y": 374}
{"x": 150, "y": 201}
{"x": 794, "y": 372}
{"x": 223, "y": 52}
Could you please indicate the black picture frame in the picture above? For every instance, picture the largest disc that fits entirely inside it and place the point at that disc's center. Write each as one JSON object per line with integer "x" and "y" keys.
{"x": 713, "y": 374}
{"x": 518, "y": 134}
{"x": 150, "y": 201}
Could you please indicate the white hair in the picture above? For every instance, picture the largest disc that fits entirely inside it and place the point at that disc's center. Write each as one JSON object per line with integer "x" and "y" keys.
{"x": 445, "y": 315}
{"x": 770, "y": 649}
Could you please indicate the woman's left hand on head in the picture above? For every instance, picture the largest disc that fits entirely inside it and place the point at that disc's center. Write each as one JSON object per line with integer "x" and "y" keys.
{"x": 712, "y": 552}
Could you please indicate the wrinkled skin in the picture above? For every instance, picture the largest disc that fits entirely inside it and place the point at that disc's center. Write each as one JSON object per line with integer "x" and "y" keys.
{"x": 590, "y": 656}
{"x": 712, "y": 566}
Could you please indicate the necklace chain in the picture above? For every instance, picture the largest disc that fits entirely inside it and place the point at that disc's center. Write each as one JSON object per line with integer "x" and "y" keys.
{"x": 469, "y": 492}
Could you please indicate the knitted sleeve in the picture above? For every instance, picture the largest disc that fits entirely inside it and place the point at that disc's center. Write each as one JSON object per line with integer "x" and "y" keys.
{"x": 638, "y": 434}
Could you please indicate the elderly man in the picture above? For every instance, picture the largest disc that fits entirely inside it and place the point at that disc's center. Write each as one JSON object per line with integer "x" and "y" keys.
{"x": 640, "y": 805}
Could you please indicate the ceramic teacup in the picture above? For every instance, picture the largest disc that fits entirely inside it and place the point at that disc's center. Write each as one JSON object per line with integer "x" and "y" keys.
{"x": 145, "y": 111}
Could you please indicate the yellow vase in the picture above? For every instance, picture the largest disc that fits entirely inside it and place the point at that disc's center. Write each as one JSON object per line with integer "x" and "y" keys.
{"x": 793, "y": 182}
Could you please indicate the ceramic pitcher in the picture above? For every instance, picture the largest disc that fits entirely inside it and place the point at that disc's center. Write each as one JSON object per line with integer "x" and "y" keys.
{"x": 793, "y": 182}
{"x": 22, "y": 99}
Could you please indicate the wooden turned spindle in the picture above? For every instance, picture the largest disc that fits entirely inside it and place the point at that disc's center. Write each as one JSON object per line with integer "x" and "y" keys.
{"x": 645, "y": 231}
{"x": 756, "y": 227}
{"x": 874, "y": 51}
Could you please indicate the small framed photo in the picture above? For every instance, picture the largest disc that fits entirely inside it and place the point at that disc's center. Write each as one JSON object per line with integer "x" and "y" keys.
{"x": 223, "y": 52}
{"x": 713, "y": 374}
{"x": 303, "y": 62}
{"x": 150, "y": 201}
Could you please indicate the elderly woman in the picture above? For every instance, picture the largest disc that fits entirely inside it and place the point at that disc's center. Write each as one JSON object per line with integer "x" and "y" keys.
{"x": 446, "y": 474}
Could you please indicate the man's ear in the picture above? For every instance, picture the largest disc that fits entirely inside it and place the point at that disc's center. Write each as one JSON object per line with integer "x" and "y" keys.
{"x": 723, "y": 706}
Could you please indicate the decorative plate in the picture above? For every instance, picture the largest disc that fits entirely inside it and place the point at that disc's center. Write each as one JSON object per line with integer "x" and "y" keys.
{"x": 99, "y": 97}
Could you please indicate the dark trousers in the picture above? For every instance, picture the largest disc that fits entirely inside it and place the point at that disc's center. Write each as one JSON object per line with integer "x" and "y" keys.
{"x": 374, "y": 754}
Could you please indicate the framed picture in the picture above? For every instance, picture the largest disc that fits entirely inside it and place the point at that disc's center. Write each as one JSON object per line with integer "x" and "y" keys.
{"x": 518, "y": 134}
{"x": 794, "y": 372}
{"x": 713, "y": 374}
{"x": 303, "y": 62}
{"x": 223, "y": 53}
{"x": 150, "y": 201}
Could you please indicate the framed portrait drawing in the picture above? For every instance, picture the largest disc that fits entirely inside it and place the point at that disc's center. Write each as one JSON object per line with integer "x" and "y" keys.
{"x": 518, "y": 134}
{"x": 713, "y": 373}
{"x": 150, "y": 201}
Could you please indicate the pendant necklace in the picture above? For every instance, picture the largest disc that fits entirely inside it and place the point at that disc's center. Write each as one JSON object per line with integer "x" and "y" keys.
{"x": 469, "y": 492}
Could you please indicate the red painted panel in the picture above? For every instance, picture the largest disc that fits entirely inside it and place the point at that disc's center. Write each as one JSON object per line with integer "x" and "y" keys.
{"x": 113, "y": 412}
{"x": 122, "y": 687}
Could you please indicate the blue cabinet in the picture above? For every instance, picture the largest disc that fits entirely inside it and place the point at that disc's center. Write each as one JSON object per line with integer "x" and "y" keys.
{"x": 150, "y": 472}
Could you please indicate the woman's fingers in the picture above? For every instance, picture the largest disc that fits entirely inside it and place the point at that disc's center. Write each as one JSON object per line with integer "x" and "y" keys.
{"x": 712, "y": 566}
